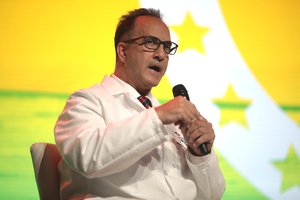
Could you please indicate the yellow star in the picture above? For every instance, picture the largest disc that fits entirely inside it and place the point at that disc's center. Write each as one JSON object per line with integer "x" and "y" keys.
{"x": 232, "y": 108}
{"x": 190, "y": 35}
{"x": 290, "y": 169}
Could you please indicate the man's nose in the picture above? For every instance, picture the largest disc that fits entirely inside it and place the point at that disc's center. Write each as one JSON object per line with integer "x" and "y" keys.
{"x": 160, "y": 54}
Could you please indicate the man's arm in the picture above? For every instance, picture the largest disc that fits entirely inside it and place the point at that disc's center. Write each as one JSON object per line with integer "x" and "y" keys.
{"x": 208, "y": 177}
{"x": 93, "y": 147}
{"x": 196, "y": 130}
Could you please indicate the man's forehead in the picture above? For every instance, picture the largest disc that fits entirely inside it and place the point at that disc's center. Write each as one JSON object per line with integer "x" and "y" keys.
{"x": 150, "y": 24}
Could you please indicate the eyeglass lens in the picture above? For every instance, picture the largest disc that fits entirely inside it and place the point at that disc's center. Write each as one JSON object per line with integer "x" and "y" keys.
{"x": 154, "y": 43}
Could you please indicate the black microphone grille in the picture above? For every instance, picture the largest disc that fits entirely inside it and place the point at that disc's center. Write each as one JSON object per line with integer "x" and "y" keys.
{"x": 180, "y": 90}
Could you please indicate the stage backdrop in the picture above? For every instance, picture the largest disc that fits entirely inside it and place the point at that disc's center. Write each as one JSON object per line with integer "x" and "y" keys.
{"x": 239, "y": 61}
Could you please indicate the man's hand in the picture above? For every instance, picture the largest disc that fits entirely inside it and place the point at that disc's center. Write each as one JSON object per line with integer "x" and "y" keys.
{"x": 197, "y": 132}
{"x": 195, "y": 128}
{"x": 178, "y": 111}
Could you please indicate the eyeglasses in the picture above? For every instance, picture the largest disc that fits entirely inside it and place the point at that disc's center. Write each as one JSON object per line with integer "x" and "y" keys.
{"x": 153, "y": 43}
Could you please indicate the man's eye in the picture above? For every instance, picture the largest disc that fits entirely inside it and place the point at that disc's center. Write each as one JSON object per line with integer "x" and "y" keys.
{"x": 168, "y": 45}
{"x": 149, "y": 41}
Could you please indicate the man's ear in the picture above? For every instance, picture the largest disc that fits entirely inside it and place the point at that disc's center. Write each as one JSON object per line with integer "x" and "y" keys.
{"x": 121, "y": 51}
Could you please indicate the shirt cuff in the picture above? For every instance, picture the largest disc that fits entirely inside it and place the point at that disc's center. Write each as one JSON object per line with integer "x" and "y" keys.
{"x": 201, "y": 161}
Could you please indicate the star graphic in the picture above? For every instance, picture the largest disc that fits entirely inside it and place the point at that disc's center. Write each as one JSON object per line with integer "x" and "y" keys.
{"x": 293, "y": 111}
{"x": 232, "y": 108}
{"x": 290, "y": 169}
{"x": 190, "y": 35}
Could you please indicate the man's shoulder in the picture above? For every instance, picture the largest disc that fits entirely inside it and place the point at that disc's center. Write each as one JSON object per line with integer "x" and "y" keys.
{"x": 96, "y": 89}
{"x": 106, "y": 90}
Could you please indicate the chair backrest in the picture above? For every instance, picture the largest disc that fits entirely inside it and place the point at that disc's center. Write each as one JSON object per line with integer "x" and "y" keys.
{"x": 45, "y": 158}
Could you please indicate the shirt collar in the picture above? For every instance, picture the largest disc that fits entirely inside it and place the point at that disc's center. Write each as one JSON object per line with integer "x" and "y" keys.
{"x": 126, "y": 88}
{"x": 116, "y": 86}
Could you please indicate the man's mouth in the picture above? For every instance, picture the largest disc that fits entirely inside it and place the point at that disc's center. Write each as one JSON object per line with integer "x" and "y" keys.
{"x": 155, "y": 68}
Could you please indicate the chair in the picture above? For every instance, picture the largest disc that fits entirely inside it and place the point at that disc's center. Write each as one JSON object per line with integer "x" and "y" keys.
{"x": 45, "y": 158}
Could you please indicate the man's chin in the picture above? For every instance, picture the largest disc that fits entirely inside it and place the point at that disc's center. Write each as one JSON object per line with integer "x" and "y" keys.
{"x": 155, "y": 83}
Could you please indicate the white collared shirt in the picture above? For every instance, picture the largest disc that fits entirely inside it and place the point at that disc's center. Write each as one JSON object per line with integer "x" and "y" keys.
{"x": 112, "y": 147}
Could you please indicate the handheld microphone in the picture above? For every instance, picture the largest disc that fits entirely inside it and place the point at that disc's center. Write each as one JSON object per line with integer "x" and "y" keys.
{"x": 179, "y": 90}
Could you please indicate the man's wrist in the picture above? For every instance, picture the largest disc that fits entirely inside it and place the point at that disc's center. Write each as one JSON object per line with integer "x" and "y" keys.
{"x": 197, "y": 154}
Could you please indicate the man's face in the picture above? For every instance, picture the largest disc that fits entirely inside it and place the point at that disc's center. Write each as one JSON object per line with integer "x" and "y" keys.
{"x": 143, "y": 68}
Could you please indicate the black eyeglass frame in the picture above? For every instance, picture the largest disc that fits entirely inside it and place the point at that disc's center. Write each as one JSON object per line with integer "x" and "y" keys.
{"x": 166, "y": 44}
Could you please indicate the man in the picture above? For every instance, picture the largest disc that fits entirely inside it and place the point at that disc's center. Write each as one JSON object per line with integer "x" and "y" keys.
{"x": 115, "y": 148}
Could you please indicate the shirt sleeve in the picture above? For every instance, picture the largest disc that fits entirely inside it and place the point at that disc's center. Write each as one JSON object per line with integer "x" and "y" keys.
{"x": 208, "y": 177}
{"x": 94, "y": 147}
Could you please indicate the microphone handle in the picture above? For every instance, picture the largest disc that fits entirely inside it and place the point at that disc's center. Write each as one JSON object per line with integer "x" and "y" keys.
{"x": 203, "y": 148}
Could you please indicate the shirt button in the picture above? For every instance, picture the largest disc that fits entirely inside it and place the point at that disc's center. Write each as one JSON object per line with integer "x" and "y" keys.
{"x": 165, "y": 172}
